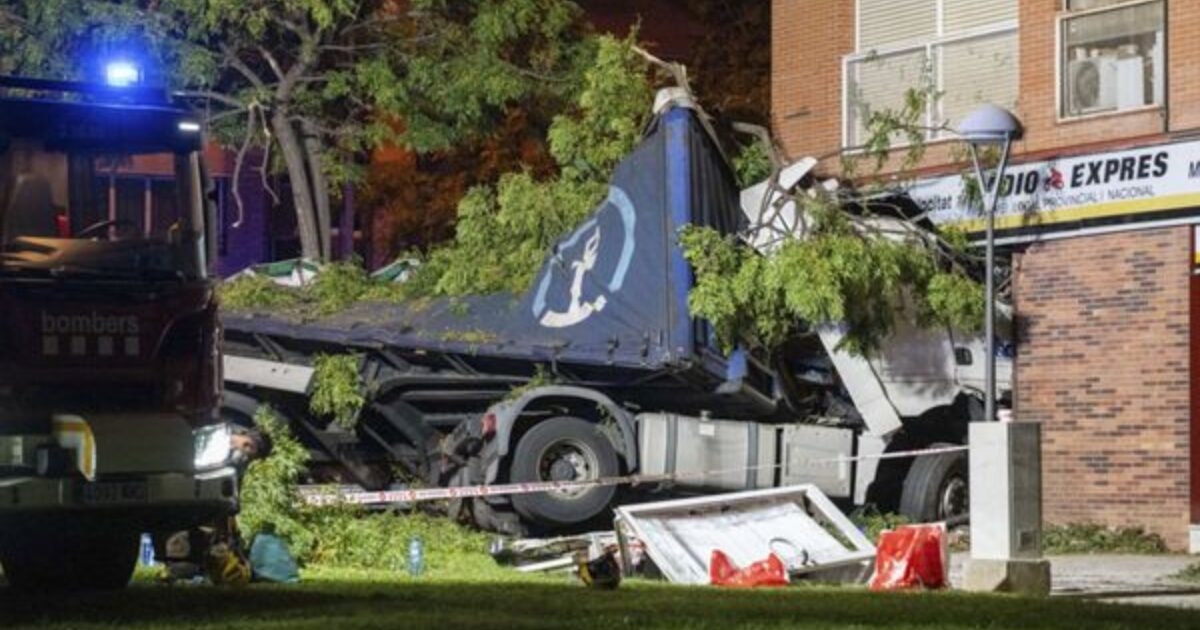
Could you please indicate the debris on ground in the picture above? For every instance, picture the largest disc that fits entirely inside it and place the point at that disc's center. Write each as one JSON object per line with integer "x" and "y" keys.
{"x": 602, "y": 573}
{"x": 810, "y": 536}
{"x": 769, "y": 572}
{"x": 562, "y": 553}
{"x": 912, "y": 556}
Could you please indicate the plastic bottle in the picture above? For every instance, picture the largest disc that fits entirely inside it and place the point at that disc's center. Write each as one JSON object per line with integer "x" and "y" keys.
{"x": 416, "y": 556}
{"x": 146, "y": 554}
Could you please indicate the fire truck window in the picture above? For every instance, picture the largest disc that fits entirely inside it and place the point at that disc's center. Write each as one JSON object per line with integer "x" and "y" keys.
{"x": 131, "y": 203}
{"x": 34, "y": 191}
{"x": 165, "y": 197}
{"x": 143, "y": 204}
{"x": 29, "y": 209}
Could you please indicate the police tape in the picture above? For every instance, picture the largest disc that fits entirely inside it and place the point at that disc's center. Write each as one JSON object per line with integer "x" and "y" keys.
{"x": 320, "y": 495}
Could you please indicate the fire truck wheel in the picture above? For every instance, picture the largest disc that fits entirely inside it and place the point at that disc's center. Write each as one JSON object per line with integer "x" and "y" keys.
{"x": 564, "y": 449}
{"x": 936, "y": 487}
{"x": 78, "y": 561}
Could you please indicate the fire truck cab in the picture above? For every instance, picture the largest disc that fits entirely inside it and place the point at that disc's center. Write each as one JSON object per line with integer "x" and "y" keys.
{"x": 109, "y": 366}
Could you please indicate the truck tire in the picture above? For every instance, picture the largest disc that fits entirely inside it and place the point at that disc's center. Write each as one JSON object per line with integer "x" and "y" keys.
{"x": 936, "y": 488}
{"x": 70, "y": 560}
{"x": 564, "y": 449}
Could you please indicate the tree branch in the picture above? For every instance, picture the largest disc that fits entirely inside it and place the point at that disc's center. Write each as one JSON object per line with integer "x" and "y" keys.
{"x": 351, "y": 48}
{"x": 536, "y": 75}
{"x": 272, "y": 62}
{"x": 304, "y": 34}
{"x": 7, "y": 15}
{"x": 237, "y": 165}
{"x": 676, "y": 70}
{"x": 237, "y": 64}
{"x": 266, "y": 161}
{"x": 312, "y": 125}
{"x": 229, "y": 113}
{"x": 389, "y": 18}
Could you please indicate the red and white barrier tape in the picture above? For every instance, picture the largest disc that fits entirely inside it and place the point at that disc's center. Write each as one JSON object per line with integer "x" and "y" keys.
{"x": 319, "y": 496}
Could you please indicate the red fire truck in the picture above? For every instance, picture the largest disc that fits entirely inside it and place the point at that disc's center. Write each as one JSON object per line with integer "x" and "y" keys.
{"x": 109, "y": 367}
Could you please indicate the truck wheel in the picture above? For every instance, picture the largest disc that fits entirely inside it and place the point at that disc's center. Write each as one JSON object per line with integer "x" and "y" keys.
{"x": 936, "y": 487}
{"x": 72, "y": 560}
{"x": 564, "y": 449}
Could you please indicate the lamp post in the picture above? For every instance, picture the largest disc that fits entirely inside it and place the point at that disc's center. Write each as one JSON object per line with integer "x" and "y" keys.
{"x": 990, "y": 125}
{"x": 1005, "y": 458}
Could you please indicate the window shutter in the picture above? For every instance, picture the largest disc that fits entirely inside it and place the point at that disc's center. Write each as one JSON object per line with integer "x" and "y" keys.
{"x": 884, "y": 23}
{"x": 880, "y": 83}
{"x": 964, "y": 16}
{"x": 1108, "y": 25}
{"x": 976, "y": 71}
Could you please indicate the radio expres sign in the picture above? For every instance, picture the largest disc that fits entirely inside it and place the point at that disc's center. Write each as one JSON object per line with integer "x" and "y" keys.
{"x": 1070, "y": 193}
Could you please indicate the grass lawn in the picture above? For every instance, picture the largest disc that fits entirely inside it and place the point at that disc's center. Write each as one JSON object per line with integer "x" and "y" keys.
{"x": 332, "y": 599}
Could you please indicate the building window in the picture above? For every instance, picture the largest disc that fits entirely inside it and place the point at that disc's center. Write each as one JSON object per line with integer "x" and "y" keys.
{"x": 963, "y": 51}
{"x": 1112, "y": 56}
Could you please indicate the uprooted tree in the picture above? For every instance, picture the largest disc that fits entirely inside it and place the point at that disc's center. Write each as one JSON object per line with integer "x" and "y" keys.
{"x": 316, "y": 83}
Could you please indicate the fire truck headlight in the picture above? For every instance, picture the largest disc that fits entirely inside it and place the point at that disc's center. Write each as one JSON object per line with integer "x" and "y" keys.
{"x": 121, "y": 74}
{"x": 213, "y": 447}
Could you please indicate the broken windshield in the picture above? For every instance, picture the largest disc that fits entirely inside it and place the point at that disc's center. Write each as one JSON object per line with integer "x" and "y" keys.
{"x": 100, "y": 213}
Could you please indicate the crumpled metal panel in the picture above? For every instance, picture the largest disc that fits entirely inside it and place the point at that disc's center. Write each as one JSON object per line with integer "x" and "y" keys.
{"x": 798, "y": 523}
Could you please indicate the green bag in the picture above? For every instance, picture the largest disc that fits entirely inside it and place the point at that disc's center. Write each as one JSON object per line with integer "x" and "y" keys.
{"x": 271, "y": 561}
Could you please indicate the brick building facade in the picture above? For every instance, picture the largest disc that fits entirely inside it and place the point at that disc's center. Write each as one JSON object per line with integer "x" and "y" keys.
{"x": 1103, "y": 365}
{"x": 1101, "y": 240}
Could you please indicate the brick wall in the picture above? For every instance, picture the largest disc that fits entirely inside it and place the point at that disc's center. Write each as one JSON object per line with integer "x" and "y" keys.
{"x": 1102, "y": 363}
{"x": 808, "y": 40}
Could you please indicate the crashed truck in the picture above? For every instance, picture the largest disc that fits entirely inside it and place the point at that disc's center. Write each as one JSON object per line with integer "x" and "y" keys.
{"x": 599, "y": 369}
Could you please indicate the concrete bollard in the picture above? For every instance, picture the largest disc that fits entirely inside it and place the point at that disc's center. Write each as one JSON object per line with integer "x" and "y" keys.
{"x": 1006, "y": 510}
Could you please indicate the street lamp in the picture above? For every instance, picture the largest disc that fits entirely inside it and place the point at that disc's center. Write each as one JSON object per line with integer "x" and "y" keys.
{"x": 990, "y": 125}
{"x": 1005, "y": 458}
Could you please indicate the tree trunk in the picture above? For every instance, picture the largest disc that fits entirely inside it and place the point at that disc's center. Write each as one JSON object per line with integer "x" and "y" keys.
{"x": 293, "y": 157}
{"x": 320, "y": 189}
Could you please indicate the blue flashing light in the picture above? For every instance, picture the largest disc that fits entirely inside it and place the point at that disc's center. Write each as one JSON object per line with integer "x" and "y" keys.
{"x": 121, "y": 74}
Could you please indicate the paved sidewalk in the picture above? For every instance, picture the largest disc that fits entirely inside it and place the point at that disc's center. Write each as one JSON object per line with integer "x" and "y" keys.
{"x": 1143, "y": 580}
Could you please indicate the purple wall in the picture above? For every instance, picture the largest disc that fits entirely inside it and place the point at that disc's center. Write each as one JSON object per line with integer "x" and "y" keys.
{"x": 249, "y": 242}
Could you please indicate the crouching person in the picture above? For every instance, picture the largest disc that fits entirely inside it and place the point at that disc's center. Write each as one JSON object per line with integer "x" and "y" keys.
{"x": 216, "y": 551}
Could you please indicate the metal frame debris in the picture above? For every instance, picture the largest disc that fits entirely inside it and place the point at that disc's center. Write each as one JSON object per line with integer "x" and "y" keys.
{"x": 797, "y": 523}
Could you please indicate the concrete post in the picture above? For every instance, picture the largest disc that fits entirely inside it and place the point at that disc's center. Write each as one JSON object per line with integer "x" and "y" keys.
{"x": 1006, "y": 509}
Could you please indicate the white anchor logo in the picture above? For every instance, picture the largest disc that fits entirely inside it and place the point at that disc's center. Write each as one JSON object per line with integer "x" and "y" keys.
{"x": 578, "y": 310}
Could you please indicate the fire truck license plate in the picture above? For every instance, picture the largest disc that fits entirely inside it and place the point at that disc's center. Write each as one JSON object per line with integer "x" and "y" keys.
{"x": 115, "y": 492}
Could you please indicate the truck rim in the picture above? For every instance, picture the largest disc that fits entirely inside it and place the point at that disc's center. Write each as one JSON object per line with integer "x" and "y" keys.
{"x": 568, "y": 460}
{"x": 954, "y": 498}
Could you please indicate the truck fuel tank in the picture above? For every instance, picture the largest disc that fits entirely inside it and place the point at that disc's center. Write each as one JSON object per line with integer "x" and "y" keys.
{"x": 710, "y": 454}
